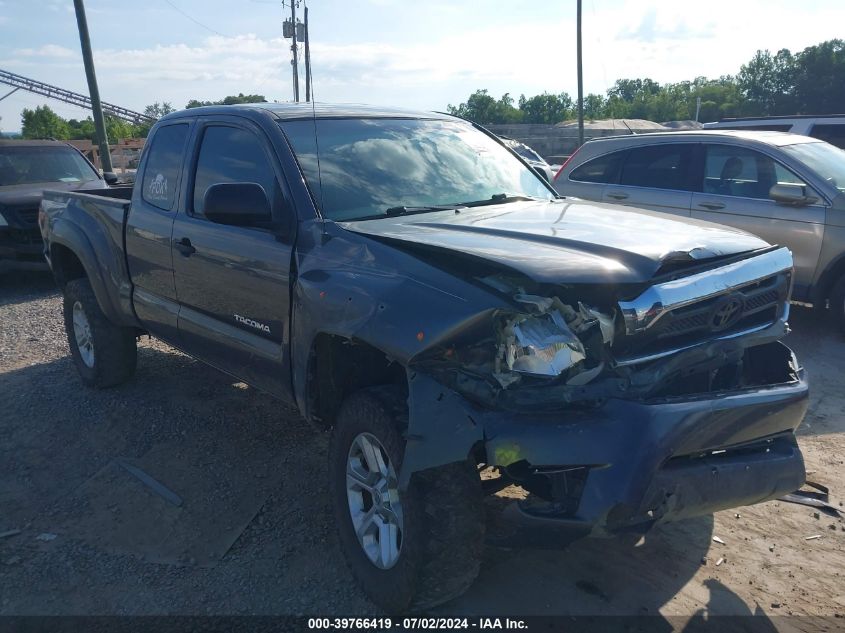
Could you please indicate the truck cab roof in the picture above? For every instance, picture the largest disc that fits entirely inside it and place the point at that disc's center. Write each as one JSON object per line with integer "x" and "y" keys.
{"x": 294, "y": 111}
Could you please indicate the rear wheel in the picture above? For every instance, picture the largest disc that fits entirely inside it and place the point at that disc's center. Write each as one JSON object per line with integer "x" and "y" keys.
{"x": 105, "y": 355}
{"x": 409, "y": 549}
{"x": 837, "y": 304}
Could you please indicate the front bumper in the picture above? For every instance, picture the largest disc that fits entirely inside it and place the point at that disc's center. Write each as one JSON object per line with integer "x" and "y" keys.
{"x": 625, "y": 465}
{"x": 21, "y": 249}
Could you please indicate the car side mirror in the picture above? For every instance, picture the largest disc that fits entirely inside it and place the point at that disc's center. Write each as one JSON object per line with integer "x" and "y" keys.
{"x": 237, "y": 204}
{"x": 110, "y": 177}
{"x": 791, "y": 194}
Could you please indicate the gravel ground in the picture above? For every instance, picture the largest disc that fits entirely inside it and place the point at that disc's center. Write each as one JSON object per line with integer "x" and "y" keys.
{"x": 255, "y": 535}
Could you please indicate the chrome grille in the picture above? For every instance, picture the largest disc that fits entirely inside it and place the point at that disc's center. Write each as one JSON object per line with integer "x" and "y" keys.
{"x": 742, "y": 296}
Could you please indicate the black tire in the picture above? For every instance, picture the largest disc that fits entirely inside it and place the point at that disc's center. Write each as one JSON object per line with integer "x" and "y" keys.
{"x": 443, "y": 525}
{"x": 115, "y": 353}
{"x": 837, "y": 304}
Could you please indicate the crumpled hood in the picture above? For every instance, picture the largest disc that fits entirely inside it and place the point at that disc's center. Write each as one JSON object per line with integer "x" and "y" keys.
{"x": 569, "y": 240}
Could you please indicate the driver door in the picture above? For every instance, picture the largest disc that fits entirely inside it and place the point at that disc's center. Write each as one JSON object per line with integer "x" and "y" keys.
{"x": 233, "y": 282}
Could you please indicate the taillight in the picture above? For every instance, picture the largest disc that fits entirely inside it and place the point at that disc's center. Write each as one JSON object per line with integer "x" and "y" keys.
{"x": 565, "y": 163}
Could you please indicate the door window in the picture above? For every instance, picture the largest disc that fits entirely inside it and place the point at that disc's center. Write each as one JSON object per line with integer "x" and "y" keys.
{"x": 599, "y": 170}
{"x": 736, "y": 171}
{"x": 164, "y": 164}
{"x": 231, "y": 154}
{"x": 658, "y": 166}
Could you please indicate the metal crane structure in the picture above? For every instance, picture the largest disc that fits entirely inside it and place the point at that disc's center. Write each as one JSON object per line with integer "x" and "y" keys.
{"x": 74, "y": 98}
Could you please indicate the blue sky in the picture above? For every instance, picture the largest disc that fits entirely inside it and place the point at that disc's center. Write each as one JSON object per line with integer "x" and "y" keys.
{"x": 393, "y": 52}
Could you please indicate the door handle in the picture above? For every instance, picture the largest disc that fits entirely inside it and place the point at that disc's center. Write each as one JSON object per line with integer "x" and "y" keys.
{"x": 712, "y": 205}
{"x": 616, "y": 195}
{"x": 185, "y": 247}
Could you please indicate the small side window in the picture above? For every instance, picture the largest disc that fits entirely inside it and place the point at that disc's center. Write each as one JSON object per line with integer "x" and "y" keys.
{"x": 164, "y": 162}
{"x": 833, "y": 134}
{"x": 599, "y": 170}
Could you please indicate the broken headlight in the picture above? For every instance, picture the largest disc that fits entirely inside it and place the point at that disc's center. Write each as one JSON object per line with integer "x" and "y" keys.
{"x": 542, "y": 345}
{"x": 551, "y": 340}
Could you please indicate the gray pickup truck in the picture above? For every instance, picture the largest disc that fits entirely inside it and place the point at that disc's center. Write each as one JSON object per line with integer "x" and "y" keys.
{"x": 412, "y": 285}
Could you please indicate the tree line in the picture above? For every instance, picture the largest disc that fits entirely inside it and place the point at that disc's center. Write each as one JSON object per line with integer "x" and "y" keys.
{"x": 43, "y": 122}
{"x": 811, "y": 81}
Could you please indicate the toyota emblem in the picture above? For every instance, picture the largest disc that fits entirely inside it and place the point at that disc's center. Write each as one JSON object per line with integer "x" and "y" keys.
{"x": 727, "y": 312}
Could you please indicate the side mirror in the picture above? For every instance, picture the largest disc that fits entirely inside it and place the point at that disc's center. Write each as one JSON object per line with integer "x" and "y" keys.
{"x": 110, "y": 177}
{"x": 237, "y": 204}
{"x": 791, "y": 194}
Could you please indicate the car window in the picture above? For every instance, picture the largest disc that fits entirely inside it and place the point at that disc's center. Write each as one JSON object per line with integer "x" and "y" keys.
{"x": 231, "y": 154}
{"x": 823, "y": 158}
{"x": 833, "y": 134}
{"x": 164, "y": 162}
{"x": 21, "y": 165}
{"x": 745, "y": 173}
{"x": 599, "y": 170}
{"x": 659, "y": 166}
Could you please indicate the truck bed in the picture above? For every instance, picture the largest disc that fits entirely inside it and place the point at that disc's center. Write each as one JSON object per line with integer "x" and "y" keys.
{"x": 93, "y": 221}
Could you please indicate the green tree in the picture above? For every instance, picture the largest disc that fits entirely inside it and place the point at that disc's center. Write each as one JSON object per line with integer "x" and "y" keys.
{"x": 818, "y": 78}
{"x": 767, "y": 83}
{"x": 486, "y": 110}
{"x": 230, "y": 100}
{"x": 546, "y": 108}
{"x": 595, "y": 107}
{"x": 42, "y": 122}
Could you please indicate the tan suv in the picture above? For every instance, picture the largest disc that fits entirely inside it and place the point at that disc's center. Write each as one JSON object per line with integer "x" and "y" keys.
{"x": 785, "y": 188}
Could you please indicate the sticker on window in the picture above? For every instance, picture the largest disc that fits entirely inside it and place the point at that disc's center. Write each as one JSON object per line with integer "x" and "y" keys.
{"x": 158, "y": 188}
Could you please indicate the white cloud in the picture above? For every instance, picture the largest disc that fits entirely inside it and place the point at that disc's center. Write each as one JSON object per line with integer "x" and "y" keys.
{"x": 660, "y": 39}
{"x": 48, "y": 50}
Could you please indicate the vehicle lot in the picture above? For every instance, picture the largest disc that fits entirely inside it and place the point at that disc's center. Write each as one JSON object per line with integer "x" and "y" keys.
{"x": 254, "y": 533}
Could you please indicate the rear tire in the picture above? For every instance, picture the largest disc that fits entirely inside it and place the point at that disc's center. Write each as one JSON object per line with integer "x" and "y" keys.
{"x": 105, "y": 355}
{"x": 441, "y": 537}
{"x": 837, "y": 304}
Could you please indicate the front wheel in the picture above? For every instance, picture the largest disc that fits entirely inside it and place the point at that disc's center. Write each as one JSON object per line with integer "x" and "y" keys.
{"x": 410, "y": 549}
{"x": 105, "y": 355}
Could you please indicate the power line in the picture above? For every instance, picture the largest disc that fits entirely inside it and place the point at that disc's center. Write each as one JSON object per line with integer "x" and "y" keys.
{"x": 194, "y": 20}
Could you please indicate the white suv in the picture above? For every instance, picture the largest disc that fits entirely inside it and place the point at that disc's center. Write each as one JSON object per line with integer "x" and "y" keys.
{"x": 829, "y": 128}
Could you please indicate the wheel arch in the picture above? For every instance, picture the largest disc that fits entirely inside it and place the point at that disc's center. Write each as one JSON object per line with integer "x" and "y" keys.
{"x": 822, "y": 289}
{"x": 337, "y": 367}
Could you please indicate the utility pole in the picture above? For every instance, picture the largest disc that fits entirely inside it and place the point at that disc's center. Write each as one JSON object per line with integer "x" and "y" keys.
{"x": 293, "y": 49}
{"x": 96, "y": 106}
{"x": 307, "y": 60}
{"x": 580, "y": 83}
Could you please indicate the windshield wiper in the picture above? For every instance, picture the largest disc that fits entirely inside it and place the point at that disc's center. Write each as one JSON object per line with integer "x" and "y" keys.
{"x": 498, "y": 198}
{"x": 394, "y": 211}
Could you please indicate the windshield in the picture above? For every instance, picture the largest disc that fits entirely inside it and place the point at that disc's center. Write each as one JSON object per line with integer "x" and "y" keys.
{"x": 367, "y": 166}
{"x": 823, "y": 158}
{"x": 25, "y": 165}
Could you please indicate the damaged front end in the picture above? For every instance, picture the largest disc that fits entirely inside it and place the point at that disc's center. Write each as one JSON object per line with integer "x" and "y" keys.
{"x": 682, "y": 336}
{"x": 614, "y": 411}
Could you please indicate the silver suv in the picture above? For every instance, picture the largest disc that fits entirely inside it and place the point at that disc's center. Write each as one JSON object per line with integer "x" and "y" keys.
{"x": 785, "y": 188}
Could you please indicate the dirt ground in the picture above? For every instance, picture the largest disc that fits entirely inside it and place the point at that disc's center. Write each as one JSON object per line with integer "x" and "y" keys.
{"x": 252, "y": 533}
